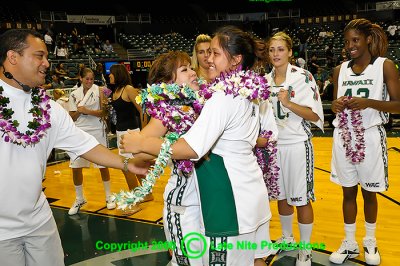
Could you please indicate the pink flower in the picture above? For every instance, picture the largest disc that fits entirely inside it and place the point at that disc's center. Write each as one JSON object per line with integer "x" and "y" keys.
{"x": 267, "y": 160}
{"x": 178, "y": 111}
{"x": 37, "y": 127}
{"x": 357, "y": 154}
{"x": 107, "y": 92}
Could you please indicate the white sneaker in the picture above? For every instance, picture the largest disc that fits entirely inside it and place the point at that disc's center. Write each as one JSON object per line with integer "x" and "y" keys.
{"x": 110, "y": 204}
{"x": 284, "y": 241}
{"x": 348, "y": 250}
{"x": 76, "y": 206}
{"x": 371, "y": 252}
{"x": 304, "y": 257}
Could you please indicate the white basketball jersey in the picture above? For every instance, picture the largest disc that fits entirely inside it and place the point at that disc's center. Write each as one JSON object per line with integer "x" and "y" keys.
{"x": 303, "y": 91}
{"x": 369, "y": 84}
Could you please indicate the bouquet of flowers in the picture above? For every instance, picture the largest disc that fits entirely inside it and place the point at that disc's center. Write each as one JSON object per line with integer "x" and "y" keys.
{"x": 110, "y": 114}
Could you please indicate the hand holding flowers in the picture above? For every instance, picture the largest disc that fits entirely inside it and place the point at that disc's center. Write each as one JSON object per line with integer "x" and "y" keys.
{"x": 267, "y": 160}
{"x": 339, "y": 104}
{"x": 357, "y": 103}
{"x": 356, "y": 154}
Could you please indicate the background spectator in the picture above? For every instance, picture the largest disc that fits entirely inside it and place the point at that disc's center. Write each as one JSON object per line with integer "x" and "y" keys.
{"x": 61, "y": 51}
{"x": 48, "y": 40}
{"x": 313, "y": 64}
{"x": 108, "y": 47}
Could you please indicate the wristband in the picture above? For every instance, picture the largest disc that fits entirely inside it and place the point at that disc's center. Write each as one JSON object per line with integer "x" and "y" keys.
{"x": 126, "y": 161}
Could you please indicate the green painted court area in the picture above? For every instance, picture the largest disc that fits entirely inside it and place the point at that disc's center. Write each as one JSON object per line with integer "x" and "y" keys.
{"x": 88, "y": 238}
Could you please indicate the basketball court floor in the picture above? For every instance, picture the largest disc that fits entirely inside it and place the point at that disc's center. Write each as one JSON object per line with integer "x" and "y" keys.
{"x": 88, "y": 236}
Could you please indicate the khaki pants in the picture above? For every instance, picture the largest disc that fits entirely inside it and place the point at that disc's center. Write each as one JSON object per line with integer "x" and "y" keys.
{"x": 42, "y": 247}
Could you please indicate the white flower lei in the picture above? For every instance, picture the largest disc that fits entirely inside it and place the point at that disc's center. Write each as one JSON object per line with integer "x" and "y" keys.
{"x": 247, "y": 84}
{"x": 128, "y": 199}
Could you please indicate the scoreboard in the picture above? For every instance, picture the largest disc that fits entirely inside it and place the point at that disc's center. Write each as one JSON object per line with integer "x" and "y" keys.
{"x": 141, "y": 65}
{"x": 138, "y": 70}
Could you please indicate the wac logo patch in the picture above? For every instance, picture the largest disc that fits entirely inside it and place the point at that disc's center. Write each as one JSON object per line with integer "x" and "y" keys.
{"x": 372, "y": 184}
{"x": 296, "y": 199}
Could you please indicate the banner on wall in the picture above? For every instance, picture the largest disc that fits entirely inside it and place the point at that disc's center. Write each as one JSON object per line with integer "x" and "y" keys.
{"x": 91, "y": 19}
{"x": 75, "y": 18}
{"x": 99, "y": 20}
{"x": 388, "y": 5}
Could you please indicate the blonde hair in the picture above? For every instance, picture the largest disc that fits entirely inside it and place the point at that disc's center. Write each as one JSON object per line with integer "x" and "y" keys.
{"x": 200, "y": 39}
{"x": 281, "y": 36}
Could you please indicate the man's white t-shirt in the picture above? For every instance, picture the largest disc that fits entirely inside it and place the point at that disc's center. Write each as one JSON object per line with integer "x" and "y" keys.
{"x": 25, "y": 207}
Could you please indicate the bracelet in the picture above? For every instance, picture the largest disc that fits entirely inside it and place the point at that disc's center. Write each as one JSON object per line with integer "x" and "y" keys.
{"x": 126, "y": 161}
{"x": 126, "y": 200}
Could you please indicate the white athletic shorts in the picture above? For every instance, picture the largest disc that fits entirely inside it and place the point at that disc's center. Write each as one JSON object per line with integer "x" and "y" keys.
{"x": 241, "y": 250}
{"x": 181, "y": 225}
{"x": 119, "y": 134}
{"x": 296, "y": 174}
{"x": 80, "y": 162}
{"x": 372, "y": 172}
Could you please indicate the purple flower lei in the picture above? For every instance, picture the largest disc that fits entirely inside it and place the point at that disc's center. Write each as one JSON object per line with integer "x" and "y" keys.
{"x": 247, "y": 83}
{"x": 165, "y": 101}
{"x": 357, "y": 154}
{"x": 176, "y": 118}
{"x": 267, "y": 160}
{"x": 178, "y": 107}
{"x": 37, "y": 127}
{"x": 172, "y": 105}
{"x": 252, "y": 86}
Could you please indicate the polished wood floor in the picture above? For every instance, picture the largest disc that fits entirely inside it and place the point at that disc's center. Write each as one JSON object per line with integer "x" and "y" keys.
{"x": 328, "y": 225}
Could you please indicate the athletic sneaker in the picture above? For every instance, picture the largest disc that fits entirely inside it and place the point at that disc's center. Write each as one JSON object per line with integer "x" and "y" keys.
{"x": 304, "y": 257}
{"x": 371, "y": 252}
{"x": 76, "y": 206}
{"x": 110, "y": 204}
{"x": 285, "y": 242}
{"x": 348, "y": 250}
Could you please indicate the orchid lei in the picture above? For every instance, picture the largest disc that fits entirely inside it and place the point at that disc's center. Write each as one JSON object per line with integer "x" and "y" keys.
{"x": 171, "y": 104}
{"x": 247, "y": 84}
{"x": 252, "y": 86}
{"x": 126, "y": 200}
{"x": 37, "y": 127}
{"x": 357, "y": 154}
{"x": 267, "y": 160}
{"x": 177, "y": 107}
